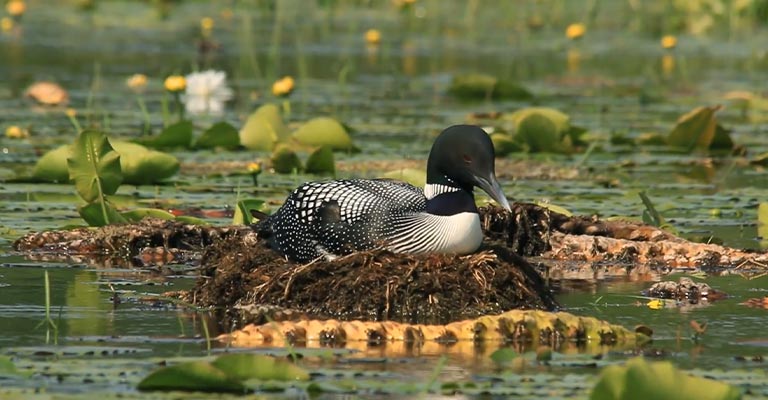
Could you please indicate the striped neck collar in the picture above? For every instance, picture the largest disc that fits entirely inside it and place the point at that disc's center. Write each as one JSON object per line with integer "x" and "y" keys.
{"x": 432, "y": 190}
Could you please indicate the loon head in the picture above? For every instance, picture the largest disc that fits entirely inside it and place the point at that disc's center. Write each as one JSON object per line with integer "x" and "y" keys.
{"x": 463, "y": 156}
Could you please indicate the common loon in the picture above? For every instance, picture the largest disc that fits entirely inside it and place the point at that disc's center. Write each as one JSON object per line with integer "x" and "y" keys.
{"x": 337, "y": 217}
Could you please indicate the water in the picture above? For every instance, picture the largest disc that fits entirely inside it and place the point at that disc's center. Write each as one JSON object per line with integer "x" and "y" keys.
{"x": 394, "y": 96}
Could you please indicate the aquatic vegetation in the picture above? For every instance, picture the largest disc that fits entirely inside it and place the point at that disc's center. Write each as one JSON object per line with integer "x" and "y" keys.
{"x": 477, "y": 86}
{"x": 15, "y": 8}
{"x": 175, "y": 83}
{"x": 640, "y": 379}
{"x": 373, "y": 36}
{"x": 668, "y": 42}
{"x": 283, "y": 87}
{"x": 575, "y": 31}
{"x": 264, "y": 128}
{"x": 699, "y": 130}
{"x": 137, "y": 82}
{"x": 16, "y": 132}
{"x": 228, "y": 373}
{"x": 324, "y": 131}
{"x": 48, "y": 93}
{"x": 206, "y": 92}
{"x": 139, "y": 165}
{"x": 535, "y": 129}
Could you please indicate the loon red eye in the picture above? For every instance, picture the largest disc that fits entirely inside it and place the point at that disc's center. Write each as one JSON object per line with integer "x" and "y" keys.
{"x": 467, "y": 159}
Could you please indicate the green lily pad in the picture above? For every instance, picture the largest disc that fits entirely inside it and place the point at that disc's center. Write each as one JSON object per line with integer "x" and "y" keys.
{"x": 191, "y": 376}
{"x": 640, "y": 379}
{"x": 52, "y": 166}
{"x": 139, "y": 164}
{"x": 94, "y": 166}
{"x": 321, "y": 161}
{"x": 284, "y": 160}
{"x": 176, "y": 135}
{"x": 415, "y": 177}
{"x": 539, "y": 133}
{"x": 695, "y": 130}
{"x": 243, "y": 211}
{"x": 482, "y": 86}
{"x": 100, "y": 213}
{"x": 504, "y": 144}
{"x": 220, "y": 134}
{"x": 142, "y": 166}
{"x": 243, "y": 366}
{"x": 263, "y": 129}
{"x": 138, "y": 214}
{"x": 324, "y": 131}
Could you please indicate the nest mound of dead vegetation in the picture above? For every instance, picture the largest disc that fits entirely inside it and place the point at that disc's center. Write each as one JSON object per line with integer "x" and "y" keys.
{"x": 374, "y": 285}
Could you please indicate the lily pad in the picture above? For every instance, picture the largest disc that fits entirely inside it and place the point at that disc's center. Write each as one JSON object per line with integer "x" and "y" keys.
{"x": 415, "y": 177}
{"x": 100, "y": 213}
{"x": 140, "y": 213}
{"x": 139, "y": 164}
{"x": 284, "y": 160}
{"x": 503, "y": 144}
{"x": 321, "y": 161}
{"x": 263, "y": 129}
{"x": 176, "y": 135}
{"x": 243, "y": 211}
{"x": 94, "y": 166}
{"x": 243, "y": 366}
{"x": 324, "y": 131}
{"x": 482, "y": 86}
{"x": 539, "y": 133}
{"x": 220, "y": 134}
{"x": 191, "y": 376}
{"x": 640, "y": 379}
{"x": 695, "y": 130}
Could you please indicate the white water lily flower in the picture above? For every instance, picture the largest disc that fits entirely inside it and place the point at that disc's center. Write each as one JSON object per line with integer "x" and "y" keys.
{"x": 206, "y": 92}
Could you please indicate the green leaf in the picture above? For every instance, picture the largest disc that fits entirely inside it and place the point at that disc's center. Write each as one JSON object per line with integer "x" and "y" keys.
{"x": 321, "y": 161}
{"x": 416, "y": 177}
{"x": 142, "y": 166}
{"x": 139, "y": 164}
{"x": 192, "y": 376}
{"x": 554, "y": 208}
{"x": 176, "y": 135}
{"x": 94, "y": 166}
{"x": 503, "y": 355}
{"x": 694, "y": 130}
{"x": 220, "y": 134}
{"x": 324, "y": 131}
{"x": 243, "y": 211}
{"x": 100, "y": 213}
{"x": 263, "y": 129}
{"x": 539, "y": 134}
{"x": 640, "y": 379}
{"x": 722, "y": 139}
{"x": 188, "y": 219}
{"x": 244, "y": 366}
{"x": 138, "y": 214}
{"x": 284, "y": 160}
{"x": 650, "y": 215}
{"x": 503, "y": 144}
{"x": 762, "y": 221}
{"x": 542, "y": 129}
{"x": 482, "y": 86}
{"x": 52, "y": 166}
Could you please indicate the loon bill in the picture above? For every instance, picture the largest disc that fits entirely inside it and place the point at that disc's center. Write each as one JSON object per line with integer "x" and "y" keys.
{"x": 332, "y": 218}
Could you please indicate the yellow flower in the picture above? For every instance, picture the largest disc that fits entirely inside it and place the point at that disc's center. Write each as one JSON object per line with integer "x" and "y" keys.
{"x": 283, "y": 87}
{"x": 254, "y": 168}
{"x": 15, "y": 132}
{"x": 175, "y": 83}
{"x": 206, "y": 25}
{"x": 575, "y": 31}
{"x": 668, "y": 42}
{"x": 656, "y": 304}
{"x": 6, "y": 24}
{"x": 372, "y": 36}
{"x": 70, "y": 112}
{"x": 136, "y": 82}
{"x": 15, "y": 8}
